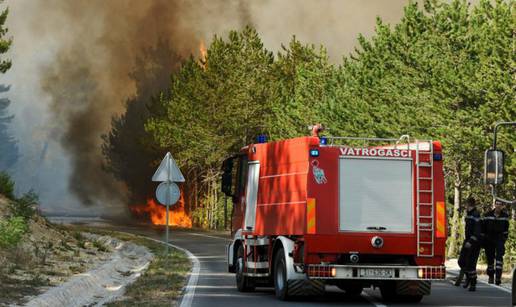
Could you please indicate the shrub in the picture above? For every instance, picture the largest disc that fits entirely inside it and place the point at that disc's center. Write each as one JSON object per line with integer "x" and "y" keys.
{"x": 510, "y": 248}
{"x": 99, "y": 246}
{"x": 6, "y": 185}
{"x": 11, "y": 231}
{"x": 25, "y": 205}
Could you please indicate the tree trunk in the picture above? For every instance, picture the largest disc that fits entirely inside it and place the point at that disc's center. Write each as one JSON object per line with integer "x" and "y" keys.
{"x": 454, "y": 236}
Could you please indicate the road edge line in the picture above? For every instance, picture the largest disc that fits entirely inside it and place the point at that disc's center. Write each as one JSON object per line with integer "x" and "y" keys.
{"x": 485, "y": 283}
{"x": 371, "y": 299}
{"x": 207, "y": 236}
{"x": 189, "y": 289}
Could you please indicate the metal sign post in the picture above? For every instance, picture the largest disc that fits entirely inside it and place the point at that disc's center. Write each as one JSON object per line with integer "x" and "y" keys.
{"x": 168, "y": 192}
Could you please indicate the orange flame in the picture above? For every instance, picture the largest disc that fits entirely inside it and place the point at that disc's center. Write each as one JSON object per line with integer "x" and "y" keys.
{"x": 203, "y": 54}
{"x": 158, "y": 213}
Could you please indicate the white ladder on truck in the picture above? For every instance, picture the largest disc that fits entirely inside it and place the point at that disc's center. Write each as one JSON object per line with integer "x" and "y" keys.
{"x": 425, "y": 223}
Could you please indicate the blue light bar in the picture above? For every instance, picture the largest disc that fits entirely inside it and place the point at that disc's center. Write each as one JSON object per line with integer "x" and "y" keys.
{"x": 314, "y": 152}
{"x": 262, "y": 138}
{"x": 438, "y": 157}
{"x": 323, "y": 141}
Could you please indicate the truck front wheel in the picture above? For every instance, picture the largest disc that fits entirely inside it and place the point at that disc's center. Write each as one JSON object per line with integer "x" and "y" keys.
{"x": 244, "y": 283}
{"x": 280, "y": 275}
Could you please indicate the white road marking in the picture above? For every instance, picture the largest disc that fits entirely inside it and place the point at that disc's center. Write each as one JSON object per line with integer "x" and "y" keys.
{"x": 186, "y": 300}
{"x": 371, "y": 299}
{"x": 207, "y": 236}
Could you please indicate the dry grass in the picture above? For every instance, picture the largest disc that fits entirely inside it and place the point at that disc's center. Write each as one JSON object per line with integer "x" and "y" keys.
{"x": 162, "y": 282}
{"x": 46, "y": 256}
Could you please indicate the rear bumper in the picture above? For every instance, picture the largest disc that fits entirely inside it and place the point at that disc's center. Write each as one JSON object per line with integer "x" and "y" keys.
{"x": 376, "y": 272}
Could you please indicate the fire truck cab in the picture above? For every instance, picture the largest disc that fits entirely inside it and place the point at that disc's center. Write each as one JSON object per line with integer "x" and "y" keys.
{"x": 315, "y": 211}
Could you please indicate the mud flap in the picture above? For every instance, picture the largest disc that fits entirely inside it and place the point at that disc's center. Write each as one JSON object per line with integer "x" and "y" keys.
{"x": 413, "y": 287}
{"x": 305, "y": 287}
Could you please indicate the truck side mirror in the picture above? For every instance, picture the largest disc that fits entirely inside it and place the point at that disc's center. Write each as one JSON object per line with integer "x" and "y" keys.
{"x": 227, "y": 177}
{"x": 493, "y": 167}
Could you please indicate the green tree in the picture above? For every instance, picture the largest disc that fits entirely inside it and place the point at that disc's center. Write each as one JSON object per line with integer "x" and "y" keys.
{"x": 8, "y": 144}
{"x": 8, "y": 147}
{"x": 129, "y": 151}
{"x": 212, "y": 109}
{"x": 5, "y": 42}
{"x": 444, "y": 72}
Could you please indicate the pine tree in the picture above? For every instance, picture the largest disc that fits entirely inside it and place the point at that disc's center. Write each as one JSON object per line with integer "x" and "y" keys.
{"x": 5, "y": 42}
{"x": 8, "y": 147}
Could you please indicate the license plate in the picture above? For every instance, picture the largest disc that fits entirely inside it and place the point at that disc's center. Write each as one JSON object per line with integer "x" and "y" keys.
{"x": 383, "y": 273}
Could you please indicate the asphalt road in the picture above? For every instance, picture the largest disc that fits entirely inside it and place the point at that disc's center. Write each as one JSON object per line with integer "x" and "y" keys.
{"x": 216, "y": 287}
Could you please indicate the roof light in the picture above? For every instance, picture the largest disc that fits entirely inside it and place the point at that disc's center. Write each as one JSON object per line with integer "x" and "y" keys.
{"x": 323, "y": 141}
{"x": 262, "y": 138}
{"x": 438, "y": 156}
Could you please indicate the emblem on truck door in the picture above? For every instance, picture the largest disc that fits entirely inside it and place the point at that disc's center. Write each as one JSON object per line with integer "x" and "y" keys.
{"x": 319, "y": 176}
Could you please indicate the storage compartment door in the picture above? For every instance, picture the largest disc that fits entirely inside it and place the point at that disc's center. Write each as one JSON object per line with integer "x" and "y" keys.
{"x": 251, "y": 194}
{"x": 375, "y": 195}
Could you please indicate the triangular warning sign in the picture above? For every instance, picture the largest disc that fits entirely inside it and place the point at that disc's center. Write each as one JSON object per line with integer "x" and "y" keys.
{"x": 168, "y": 170}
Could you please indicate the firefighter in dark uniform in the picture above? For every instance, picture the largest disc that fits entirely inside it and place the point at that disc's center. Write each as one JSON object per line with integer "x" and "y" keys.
{"x": 471, "y": 246}
{"x": 496, "y": 230}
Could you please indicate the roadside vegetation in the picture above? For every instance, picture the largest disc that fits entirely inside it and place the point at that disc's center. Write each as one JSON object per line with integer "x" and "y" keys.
{"x": 445, "y": 71}
{"x": 163, "y": 281}
{"x": 16, "y": 213}
{"x": 35, "y": 254}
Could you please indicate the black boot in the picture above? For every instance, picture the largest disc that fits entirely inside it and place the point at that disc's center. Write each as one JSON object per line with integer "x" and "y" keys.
{"x": 458, "y": 281}
{"x": 473, "y": 284}
{"x": 491, "y": 277}
{"x": 468, "y": 280}
{"x": 498, "y": 279}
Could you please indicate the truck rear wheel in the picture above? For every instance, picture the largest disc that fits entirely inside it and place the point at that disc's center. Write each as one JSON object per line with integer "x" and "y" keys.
{"x": 280, "y": 275}
{"x": 244, "y": 283}
{"x": 389, "y": 294}
{"x": 351, "y": 289}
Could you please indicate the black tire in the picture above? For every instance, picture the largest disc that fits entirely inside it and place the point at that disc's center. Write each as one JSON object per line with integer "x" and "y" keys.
{"x": 244, "y": 283}
{"x": 280, "y": 275}
{"x": 388, "y": 291}
{"x": 351, "y": 290}
{"x": 410, "y": 298}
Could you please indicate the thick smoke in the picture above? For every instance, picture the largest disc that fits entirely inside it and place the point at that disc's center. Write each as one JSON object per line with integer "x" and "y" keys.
{"x": 83, "y": 64}
{"x": 91, "y": 77}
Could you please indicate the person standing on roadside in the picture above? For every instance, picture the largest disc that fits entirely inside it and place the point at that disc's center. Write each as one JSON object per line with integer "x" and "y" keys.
{"x": 471, "y": 246}
{"x": 496, "y": 229}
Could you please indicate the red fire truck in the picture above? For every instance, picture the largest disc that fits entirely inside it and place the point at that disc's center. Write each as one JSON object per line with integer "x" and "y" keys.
{"x": 315, "y": 211}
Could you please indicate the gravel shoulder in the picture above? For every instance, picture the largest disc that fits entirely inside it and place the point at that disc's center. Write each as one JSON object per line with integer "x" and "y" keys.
{"x": 162, "y": 283}
{"x": 104, "y": 283}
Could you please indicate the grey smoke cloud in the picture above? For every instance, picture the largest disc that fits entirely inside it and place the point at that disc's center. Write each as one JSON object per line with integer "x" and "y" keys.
{"x": 72, "y": 62}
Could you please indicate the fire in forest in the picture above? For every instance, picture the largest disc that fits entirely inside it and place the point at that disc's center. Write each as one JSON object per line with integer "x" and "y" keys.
{"x": 203, "y": 53}
{"x": 157, "y": 213}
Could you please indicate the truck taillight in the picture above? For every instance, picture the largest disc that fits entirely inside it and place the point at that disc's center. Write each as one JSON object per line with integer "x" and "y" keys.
{"x": 431, "y": 273}
{"x": 441, "y": 219}
{"x": 321, "y": 271}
